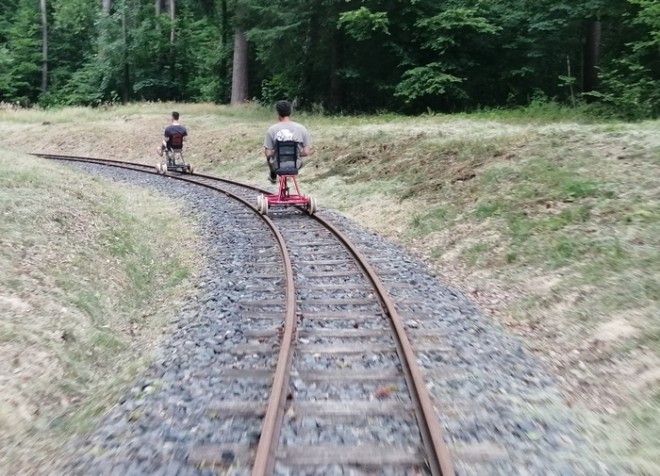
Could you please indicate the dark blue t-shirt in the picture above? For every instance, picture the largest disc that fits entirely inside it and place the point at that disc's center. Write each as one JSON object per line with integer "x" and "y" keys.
{"x": 175, "y": 134}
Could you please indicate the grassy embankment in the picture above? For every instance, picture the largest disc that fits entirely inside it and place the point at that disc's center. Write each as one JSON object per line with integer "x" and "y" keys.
{"x": 87, "y": 280}
{"x": 551, "y": 225}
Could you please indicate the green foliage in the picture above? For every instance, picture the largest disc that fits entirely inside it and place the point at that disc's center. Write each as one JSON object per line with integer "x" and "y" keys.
{"x": 5, "y": 79}
{"x": 423, "y": 81}
{"x": 360, "y": 24}
{"x": 649, "y": 16}
{"x": 20, "y": 78}
{"x": 631, "y": 82}
{"x": 198, "y": 65}
{"x": 445, "y": 28}
{"x": 340, "y": 56}
{"x": 276, "y": 88}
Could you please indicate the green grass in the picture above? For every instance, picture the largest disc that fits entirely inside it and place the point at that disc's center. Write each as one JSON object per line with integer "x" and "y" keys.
{"x": 424, "y": 223}
{"x": 489, "y": 209}
{"x": 542, "y": 111}
{"x": 475, "y": 253}
{"x": 89, "y": 302}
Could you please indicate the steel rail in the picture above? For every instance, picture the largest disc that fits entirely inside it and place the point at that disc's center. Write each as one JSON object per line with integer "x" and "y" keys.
{"x": 440, "y": 461}
{"x": 119, "y": 163}
{"x": 151, "y": 169}
{"x": 264, "y": 457}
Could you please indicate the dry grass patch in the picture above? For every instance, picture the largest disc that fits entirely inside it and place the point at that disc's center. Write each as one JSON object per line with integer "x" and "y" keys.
{"x": 557, "y": 242}
{"x": 86, "y": 276}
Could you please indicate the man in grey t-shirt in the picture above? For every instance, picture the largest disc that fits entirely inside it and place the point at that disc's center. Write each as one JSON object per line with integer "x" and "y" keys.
{"x": 285, "y": 130}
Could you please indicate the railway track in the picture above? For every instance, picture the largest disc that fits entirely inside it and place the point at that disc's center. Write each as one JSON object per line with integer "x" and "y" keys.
{"x": 322, "y": 302}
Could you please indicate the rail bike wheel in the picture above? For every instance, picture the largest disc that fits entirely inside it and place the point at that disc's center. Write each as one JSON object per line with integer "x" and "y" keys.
{"x": 311, "y": 206}
{"x": 262, "y": 205}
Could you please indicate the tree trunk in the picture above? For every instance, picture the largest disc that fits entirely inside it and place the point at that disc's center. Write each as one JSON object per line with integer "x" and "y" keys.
{"x": 127, "y": 75}
{"x": 44, "y": 45}
{"x": 158, "y": 7}
{"x": 172, "y": 18}
{"x": 239, "y": 78}
{"x": 224, "y": 43}
{"x": 107, "y": 5}
{"x": 591, "y": 55}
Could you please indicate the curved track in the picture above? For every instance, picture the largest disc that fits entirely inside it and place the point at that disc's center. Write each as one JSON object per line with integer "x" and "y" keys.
{"x": 333, "y": 307}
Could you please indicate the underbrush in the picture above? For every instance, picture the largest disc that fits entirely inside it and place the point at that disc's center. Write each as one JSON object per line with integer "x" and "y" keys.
{"x": 545, "y": 111}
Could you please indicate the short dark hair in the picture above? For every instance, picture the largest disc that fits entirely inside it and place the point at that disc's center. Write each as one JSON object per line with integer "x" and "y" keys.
{"x": 283, "y": 108}
{"x": 175, "y": 116}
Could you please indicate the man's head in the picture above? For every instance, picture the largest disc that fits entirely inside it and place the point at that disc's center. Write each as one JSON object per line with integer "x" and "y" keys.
{"x": 283, "y": 108}
{"x": 175, "y": 116}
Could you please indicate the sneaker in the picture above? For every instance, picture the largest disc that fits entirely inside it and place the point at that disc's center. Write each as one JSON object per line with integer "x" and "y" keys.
{"x": 272, "y": 177}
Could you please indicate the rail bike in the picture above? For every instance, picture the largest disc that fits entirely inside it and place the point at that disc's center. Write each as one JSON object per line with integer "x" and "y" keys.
{"x": 173, "y": 160}
{"x": 288, "y": 192}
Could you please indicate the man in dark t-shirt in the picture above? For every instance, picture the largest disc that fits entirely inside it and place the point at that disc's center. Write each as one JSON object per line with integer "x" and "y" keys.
{"x": 174, "y": 135}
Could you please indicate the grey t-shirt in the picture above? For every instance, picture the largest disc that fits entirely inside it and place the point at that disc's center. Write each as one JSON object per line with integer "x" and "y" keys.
{"x": 287, "y": 130}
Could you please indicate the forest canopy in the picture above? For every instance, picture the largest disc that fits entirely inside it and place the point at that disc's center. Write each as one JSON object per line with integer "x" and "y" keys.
{"x": 346, "y": 56}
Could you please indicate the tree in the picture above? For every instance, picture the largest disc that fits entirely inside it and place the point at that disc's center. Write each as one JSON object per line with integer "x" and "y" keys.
{"x": 239, "y": 78}
{"x": 631, "y": 79}
{"x": 44, "y": 45}
{"x": 20, "y": 79}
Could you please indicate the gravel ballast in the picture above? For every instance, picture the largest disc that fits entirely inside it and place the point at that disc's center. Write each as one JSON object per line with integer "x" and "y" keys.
{"x": 490, "y": 393}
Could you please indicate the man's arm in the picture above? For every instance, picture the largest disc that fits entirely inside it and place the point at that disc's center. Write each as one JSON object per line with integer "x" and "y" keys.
{"x": 269, "y": 146}
{"x": 306, "y": 149}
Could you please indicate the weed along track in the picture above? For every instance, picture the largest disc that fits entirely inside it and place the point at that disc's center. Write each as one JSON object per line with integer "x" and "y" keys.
{"x": 312, "y": 347}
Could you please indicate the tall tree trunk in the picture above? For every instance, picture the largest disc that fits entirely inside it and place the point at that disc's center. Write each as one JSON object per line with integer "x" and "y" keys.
{"x": 107, "y": 5}
{"x": 158, "y": 6}
{"x": 224, "y": 40}
{"x": 172, "y": 18}
{"x": 44, "y": 45}
{"x": 591, "y": 55}
{"x": 124, "y": 35}
{"x": 239, "y": 77}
